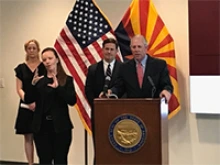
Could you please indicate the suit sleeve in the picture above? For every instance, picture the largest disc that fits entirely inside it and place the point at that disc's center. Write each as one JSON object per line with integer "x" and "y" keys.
{"x": 119, "y": 86}
{"x": 89, "y": 87}
{"x": 165, "y": 82}
{"x": 67, "y": 92}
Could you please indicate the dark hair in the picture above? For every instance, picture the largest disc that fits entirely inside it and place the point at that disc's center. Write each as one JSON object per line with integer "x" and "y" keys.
{"x": 61, "y": 75}
{"x": 110, "y": 40}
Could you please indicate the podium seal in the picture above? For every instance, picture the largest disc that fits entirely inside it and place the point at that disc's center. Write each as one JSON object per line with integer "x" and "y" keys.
{"x": 127, "y": 133}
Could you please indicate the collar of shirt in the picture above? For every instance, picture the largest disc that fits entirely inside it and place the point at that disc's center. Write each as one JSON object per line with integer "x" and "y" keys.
{"x": 105, "y": 64}
{"x": 143, "y": 62}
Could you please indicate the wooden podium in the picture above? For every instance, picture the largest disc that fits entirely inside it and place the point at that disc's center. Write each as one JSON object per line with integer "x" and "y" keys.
{"x": 152, "y": 112}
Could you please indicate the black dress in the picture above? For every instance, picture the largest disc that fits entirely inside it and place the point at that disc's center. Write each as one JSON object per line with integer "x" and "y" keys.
{"x": 25, "y": 116}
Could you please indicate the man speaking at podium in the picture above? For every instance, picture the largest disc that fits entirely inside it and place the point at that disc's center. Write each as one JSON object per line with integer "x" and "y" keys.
{"x": 102, "y": 75}
{"x": 143, "y": 76}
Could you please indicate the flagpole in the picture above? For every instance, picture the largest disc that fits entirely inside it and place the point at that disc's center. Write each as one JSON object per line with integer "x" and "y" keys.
{"x": 86, "y": 147}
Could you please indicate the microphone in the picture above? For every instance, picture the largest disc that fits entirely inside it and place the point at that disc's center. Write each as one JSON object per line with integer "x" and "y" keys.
{"x": 153, "y": 86}
{"x": 106, "y": 84}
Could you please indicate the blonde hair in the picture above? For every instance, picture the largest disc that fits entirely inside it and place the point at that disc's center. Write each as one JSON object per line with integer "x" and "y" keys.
{"x": 26, "y": 46}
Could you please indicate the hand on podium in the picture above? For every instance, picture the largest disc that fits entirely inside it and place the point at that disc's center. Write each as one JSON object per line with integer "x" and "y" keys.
{"x": 166, "y": 94}
{"x": 107, "y": 94}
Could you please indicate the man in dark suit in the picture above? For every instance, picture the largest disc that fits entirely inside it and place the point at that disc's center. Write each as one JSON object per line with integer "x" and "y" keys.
{"x": 143, "y": 76}
{"x": 97, "y": 73}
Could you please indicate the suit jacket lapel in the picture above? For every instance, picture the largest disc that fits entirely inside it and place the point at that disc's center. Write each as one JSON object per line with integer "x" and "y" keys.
{"x": 100, "y": 72}
{"x": 114, "y": 71}
{"x": 147, "y": 71}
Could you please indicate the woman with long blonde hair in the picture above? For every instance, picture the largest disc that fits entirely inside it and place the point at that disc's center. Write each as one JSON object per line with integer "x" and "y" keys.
{"x": 24, "y": 74}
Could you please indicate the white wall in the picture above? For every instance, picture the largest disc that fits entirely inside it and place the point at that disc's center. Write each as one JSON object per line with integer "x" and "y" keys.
{"x": 0, "y": 77}
{"x": 193, "y": 140}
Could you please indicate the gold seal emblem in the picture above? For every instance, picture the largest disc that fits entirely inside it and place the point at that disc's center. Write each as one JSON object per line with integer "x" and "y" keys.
{"x": 127, "y": 133}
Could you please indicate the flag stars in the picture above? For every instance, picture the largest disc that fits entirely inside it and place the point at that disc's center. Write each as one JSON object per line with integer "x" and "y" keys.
{"x": 86, "y": 22}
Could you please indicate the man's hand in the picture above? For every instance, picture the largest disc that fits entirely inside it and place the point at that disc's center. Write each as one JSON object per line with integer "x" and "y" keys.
{"x": 165, "y": 94}
{"x": 103, "y": 95}
{"x": 36, "y": 77}
{"x": 55, "y": 82}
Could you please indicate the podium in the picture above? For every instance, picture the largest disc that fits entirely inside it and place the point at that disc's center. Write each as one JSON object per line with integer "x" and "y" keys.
{"x": 120, "y": 123}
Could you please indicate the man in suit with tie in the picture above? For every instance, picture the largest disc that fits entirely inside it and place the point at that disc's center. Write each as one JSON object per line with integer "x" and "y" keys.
{"x": 143, "y": 76}
{"x": 101, "y": 74}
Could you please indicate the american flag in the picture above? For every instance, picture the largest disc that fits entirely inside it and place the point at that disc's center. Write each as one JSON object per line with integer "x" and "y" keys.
{"x": 79, "y": 45}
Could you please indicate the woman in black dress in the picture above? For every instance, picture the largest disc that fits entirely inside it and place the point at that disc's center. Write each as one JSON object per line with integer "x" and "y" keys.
{"x": 51, "y": 125}
{"x": 24, "y": 75}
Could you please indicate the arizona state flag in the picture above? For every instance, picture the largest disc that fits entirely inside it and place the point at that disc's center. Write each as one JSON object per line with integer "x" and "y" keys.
{"x": 142, "y": 18}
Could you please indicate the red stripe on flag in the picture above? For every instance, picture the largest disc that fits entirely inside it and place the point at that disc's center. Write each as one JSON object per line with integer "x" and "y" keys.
{"x": 129, "y": 29}
{"x": 172, "y": 71}
{"x": 126, "y": 18}
{"x": 158, "y": 27}
{"x": 98, "y": 50}
{"x": 70, "y": 66}
{"x": 143, "y": 6}
{"x": 126, "y": 21}
{"x": 168, "y": 39}
{"x": 73, "y": 51}
{"x": 173, "y": 103}
{"x": 170, "y": 54}
{"x": 89, "y": 56}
